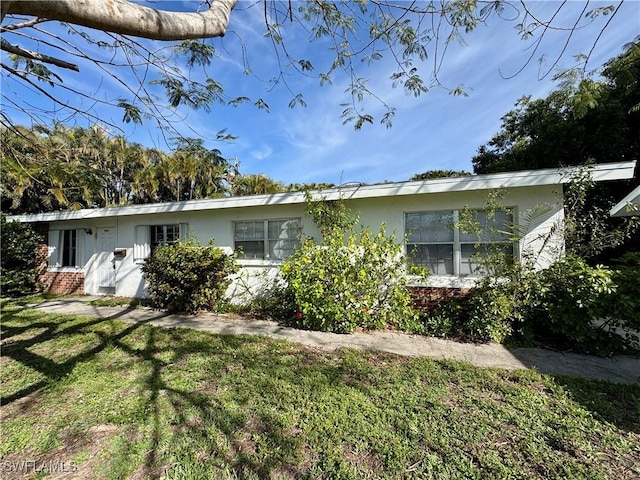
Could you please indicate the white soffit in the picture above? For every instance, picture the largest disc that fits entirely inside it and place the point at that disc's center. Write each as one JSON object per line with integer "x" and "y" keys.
{"x": 628, "y": 206}
{"x": 525, "y": 178}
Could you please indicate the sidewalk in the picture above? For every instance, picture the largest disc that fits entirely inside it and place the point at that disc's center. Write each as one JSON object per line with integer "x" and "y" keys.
{"x": 620, "y": 369}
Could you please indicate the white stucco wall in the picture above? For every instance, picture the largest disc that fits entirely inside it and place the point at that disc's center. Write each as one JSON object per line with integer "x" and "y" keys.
{"x": 218, "y": 224}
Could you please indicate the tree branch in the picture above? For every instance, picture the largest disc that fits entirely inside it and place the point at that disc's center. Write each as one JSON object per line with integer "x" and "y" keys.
{"x": 29, "y": 23}
{"x": 124, "y": 17}
{"x": 7, "y": 47}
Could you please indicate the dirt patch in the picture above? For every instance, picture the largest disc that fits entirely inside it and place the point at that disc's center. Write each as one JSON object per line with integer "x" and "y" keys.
{"x": 76, "y": 458}
{"x": 363, "y": 459}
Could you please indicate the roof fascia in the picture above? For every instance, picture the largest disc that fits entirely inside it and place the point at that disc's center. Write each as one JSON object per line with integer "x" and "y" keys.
{"x": 524, "y": 178}
{"x": 629, "y": 205}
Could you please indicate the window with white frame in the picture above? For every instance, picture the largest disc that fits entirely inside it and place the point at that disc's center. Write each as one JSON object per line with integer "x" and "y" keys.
{"x": 435, "y": 240}
{"x": 430, "y": 240}
{"x": 150, "y": 237}
{"x": 164, "y": 235}
{"x": 266, "y": 239}
{"x": 65, "y": 247}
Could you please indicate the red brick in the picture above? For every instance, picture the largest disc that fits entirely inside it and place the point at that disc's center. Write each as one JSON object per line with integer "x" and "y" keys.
{"x": 428, "y": 298}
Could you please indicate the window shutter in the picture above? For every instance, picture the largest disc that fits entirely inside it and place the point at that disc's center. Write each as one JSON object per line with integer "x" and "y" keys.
{"x": 141, "y": 245}
{"x": 53, "y": 246}
{"x": 184, "y": 231}
{"x": 81, "y": 240}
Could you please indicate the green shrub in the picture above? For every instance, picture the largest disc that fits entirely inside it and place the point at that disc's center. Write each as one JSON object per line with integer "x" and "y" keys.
{"x": 494, "y": 310}
{"x": 623, "y": 307}
{"x": 19, "y": 259}
{"x": 187, "y": 277}
{"x": 575, "y": 295}
{"x": 357, "y": 280}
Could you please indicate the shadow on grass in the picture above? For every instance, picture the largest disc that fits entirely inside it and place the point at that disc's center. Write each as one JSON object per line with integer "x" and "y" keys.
{"x": 195, "y": 417}
{"x": 196, "y": 401}
{"x": 607, "y": 402}
{"x": 19, "y": 350}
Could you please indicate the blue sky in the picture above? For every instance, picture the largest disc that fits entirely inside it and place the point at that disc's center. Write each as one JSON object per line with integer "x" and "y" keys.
{"x": 310, "y": 144}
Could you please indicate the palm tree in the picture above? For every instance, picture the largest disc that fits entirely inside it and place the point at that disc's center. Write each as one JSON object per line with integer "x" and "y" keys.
{"x": 255, "y": 184}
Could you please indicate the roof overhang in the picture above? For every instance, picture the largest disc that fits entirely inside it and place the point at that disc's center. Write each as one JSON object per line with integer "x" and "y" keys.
{"x": 628, "y": 206}
{"x": 525, "y": 178}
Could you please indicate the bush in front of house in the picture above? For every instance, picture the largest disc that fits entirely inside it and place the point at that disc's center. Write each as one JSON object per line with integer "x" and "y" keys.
{"x": 624, "y": 310}
{"x": 350, "y": 280}
{"x": 495, "y": 309}
{"x": 571, "y": 305}
{"x": 574, "y": 296}
{"x": 19, "y": 259}
{"x": 187, "y": 277}
{"x": 620, "y": 313}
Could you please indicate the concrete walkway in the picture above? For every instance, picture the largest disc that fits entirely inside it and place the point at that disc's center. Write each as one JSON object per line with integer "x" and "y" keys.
{"x": 619, "y": 369}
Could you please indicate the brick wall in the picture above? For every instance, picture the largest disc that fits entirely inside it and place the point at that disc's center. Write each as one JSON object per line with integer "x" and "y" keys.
{"x": 63, "y": 283}
{"x": 428, "y": 298}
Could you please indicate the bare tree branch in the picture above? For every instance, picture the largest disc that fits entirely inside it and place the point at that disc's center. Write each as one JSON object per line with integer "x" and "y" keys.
{"x": 7, "y": 47}
{"x": 29, "y": 23}
{"x": 127, "y": 18}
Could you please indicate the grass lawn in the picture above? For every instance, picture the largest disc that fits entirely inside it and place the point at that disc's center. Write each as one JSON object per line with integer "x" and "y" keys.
{"x": 86, "y": 398}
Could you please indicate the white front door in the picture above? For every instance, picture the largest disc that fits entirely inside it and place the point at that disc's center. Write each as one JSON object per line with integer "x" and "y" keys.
{"x": 106, "y": 261}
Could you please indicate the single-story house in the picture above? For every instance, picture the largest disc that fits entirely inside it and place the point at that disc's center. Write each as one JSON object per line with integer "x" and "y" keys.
{"x": 100, "y": 251}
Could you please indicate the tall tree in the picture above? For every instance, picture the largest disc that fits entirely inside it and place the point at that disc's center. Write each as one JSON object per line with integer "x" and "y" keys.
{"x": 586, "y": 120}
{"x": 255, "y": 184}
{"x": 111, "y": 36}
{"x": 49, "y": 168}
{"x": 53, "y": 168}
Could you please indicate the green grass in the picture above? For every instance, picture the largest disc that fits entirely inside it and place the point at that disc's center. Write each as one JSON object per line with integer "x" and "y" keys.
{"x": 121, "y": 400}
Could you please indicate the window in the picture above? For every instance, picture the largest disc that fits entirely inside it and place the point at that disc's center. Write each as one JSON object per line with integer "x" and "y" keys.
{"x": 267, "y": 239}
{"x": 430, "y": 240}
{"x": 66, "y": 248}
{"x": 164, "y": 235}
{"x": 436, "y": 241}
{"x": 69, "y": 246}
{"x": 491, "y": 236}
{"x": 150, "y": 237}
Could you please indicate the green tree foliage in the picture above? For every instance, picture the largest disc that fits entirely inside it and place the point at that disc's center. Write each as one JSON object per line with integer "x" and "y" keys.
{"x": 49, "y": 169}
{"x": 86, "y": 168}
{"x": 434, "y": 174}
{"x": 191, "y": 171}
{"x": 409, "y": 40}
{"x": 187, "y": 277}
{"x": 19, "y": 260}
{"x": 255, "y": 184}
{"x": 57, "y": 167}
{"x": 583, "y": 122}
{"x": 352, "y": 279}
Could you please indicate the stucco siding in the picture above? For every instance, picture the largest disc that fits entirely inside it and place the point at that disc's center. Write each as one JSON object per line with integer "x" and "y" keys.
{"x": 218, "y": 224}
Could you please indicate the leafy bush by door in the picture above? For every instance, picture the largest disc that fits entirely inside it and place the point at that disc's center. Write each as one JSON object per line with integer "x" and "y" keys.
{"x": 19, "y": 270}
{"x": 187, "y": 277}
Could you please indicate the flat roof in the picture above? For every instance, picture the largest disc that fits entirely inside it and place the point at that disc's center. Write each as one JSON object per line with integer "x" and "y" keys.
{"x": 628, "y": 206}
{"x": 525, "y": 178}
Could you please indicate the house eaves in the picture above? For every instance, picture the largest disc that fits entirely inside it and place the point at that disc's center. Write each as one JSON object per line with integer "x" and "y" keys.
{"x": 628, "y": 206}
{"x": 525, "y": 178}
